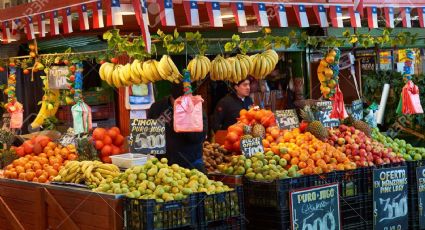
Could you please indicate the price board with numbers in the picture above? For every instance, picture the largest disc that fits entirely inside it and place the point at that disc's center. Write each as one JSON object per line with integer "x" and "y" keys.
{"x": 287, "y": 119}
{"x": 357, "y": 109}
{"x": 420, "y": 181}
{"x": 315, "y": 207}
{"x": 147, "y": 136}
{"x": 57, "y": 77}
{"x": 251, "y": 146}
{"x": 324, "y": 109}
{"x": 390, "y": 198}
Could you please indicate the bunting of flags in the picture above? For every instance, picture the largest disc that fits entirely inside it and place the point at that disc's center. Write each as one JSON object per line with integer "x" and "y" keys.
{"x": 324, "y": 13}
{"x": 192, "y": 12}
{"x": 239, "y": 12}
{"x": 214, "y": 14}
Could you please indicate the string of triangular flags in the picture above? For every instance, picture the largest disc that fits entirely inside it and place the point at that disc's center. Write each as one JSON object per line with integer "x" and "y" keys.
{"x": 264, "y": 12}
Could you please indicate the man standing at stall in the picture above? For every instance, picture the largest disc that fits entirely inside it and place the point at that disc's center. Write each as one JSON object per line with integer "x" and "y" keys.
{"x": 228, "y": 108}
{"x": 184, "y": 149}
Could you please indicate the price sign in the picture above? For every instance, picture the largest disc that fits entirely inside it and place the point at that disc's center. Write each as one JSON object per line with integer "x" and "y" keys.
{"x": 6, "y": 121}
{"x": 315, "y": 208}
{"x": 147, "y": 136}
{"x": 390, "y": 198}
{"x": 57, "y": 77}
{"x": 324, "y": 112}
{"x": 252, "y": 146}
{"x": 67, "y": 139}
{"x": 287, "y": 119}
{"x": 357, "y": 109}
{"x": 420, "y": 177}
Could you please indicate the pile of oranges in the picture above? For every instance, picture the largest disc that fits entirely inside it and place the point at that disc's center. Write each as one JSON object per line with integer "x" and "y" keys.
{"x": 40, "y": 166}
{"x": 311, "y": 155}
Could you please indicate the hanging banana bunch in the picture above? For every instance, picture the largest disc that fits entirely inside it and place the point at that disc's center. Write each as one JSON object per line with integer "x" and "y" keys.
{"x": 220, "y": 69}
{"x": 49, "y": 105}
{"x": 199, "y": 67}
{"x": 168, "y": 70}
{"x": 264, "y": 63}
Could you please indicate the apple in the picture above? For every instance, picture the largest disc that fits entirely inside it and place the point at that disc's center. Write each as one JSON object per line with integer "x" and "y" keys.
{"x": 356, "y": 158}
{"x": 341, "y": 141}
{"x": 386, "y": 160}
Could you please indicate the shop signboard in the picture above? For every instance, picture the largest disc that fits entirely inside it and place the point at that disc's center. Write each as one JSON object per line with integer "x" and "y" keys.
{"x": 251, "y": 146}
{"x": 324, "y": 109}
{"x": 390, "y": 198}
{"x": 367, "y": 61}
{"x": 57, "y": 77}
{"x": 287, "y": 119}
{"x": 420, "y": 177}
{"x": 147, "y": 136}
{"x": 316, "y": 207}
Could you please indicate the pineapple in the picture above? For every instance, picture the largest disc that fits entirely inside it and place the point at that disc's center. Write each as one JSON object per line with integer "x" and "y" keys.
{"x": 258, "y": 130}
{"x": 358, "y": 124}
{"x": 314, "y": 126}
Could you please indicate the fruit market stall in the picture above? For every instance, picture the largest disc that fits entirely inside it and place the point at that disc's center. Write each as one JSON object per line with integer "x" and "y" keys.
{"x": 104, "y": 166}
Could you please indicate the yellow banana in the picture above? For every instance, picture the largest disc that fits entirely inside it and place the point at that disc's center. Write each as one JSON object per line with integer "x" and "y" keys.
{"x": 108, "y": 70}
{"x": 135, "y": 77}
{"x": 49, "y": 107}
{"x": 164, "y": 69}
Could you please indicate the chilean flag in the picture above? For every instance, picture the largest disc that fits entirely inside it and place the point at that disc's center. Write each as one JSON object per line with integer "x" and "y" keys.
{"x": 41, "y": 23}
{"x": 145, "y": 11}
{"x": 239, "y": 12}
{"x": 281, "y": 15}
{"x": 405, "y": 15}
{"x": 113, "y": 12}
{"x": 358, "y": 6}
{"x": 140, "y": 11}
{"x": 389, "y": 17}
{"x": 6, "y": 32}
{"x": 192, "y": 12}
{"x": 214, "y": 14}
{"x": 98, "y": 15}
{"x": 67, "y": 20}
{"x": 167, "y": 13}
{"x": 261, "y": 14}
{"x": 83, "y": 17}
{"x": 372, "y": 17}
{"x": 301, "y": 14}
{"x": 54, "y": 23}
{"x": 16, "y": 23}
{"x": 30, "y": 28}
{"x": 421, "y": 14}
{"x": 336, "y": 16}
{"x": 355, "y": 17}
{"x": 321, "y": 15}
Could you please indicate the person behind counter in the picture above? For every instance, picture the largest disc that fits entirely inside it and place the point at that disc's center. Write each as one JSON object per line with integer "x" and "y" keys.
{"x": 228, "y": 108}
{"x": 184, "y": 149}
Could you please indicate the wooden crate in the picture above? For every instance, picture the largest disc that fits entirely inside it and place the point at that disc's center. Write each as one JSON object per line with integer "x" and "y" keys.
{"x": 74, "y": 208}
{"x": 21, "y": 205}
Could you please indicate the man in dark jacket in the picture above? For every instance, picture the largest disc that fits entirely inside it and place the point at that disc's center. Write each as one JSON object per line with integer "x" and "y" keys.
{"x": 228, "y": 108}
{"x": 184, "y": 149}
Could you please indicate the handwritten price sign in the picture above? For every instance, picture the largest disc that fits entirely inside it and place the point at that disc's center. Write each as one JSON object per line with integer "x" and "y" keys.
{"x": 324, "y": 112}
{"x": 390, "y": 199}
{"x": 147, "y": 136}
{"x": 57, "y": 77}
{"x": 287, "y": 119}
{"x": 357, "y": 109}
{"x": 315, "y": 208}
{"x": 251, "y": 146}
{"x": 420, "y": 177}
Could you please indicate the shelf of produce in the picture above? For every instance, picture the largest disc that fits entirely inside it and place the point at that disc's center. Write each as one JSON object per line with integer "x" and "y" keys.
{"x": 81, "y": 208}
{"x": 21, "y": 205}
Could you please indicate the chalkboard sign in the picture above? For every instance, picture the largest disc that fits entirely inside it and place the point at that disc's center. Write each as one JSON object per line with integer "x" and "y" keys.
{"x": 315, "y": 208}
{"x": 420, "y": 177}
{"x": 357, "y": 109}
{"x": 287, "y": 119}
{"x": 324, "y": 109}
{"x": 390, "y": 199}
{"x": 252, "y": 146}
{"x": 147, "y": 136}
{"x": 57, "y": 77}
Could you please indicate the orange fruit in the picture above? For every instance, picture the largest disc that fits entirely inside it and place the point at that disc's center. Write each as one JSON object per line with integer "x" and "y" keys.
{"x": 119, "y": 140}
{"x": 286, "y": 156}
{"x": 231, "y": 137}
{"x": 270, "y": 139}
{"x": 303, "y": 157}
{"x": 99, "y": 133}
{"x": 42, "y": 179}
{"x": 243, "y": 112}
{"x": 266, "y": 143}
{"x": 302, "y": 164}
{"x": 275, "y": 149}
{"x": 308, "y": 170}
{"x": 72, "y": 157}
{"x": 295, "y": 161}
{"x": 98, "y": 145}
{"x": 107, "y": 140}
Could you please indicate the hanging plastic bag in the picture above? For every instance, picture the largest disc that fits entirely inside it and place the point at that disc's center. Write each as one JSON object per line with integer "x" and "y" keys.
{"x": 81, "y": 113}
{"x": 188, "y": 114}
{"x": 411, "y": 101}
{"x": 16, "y": 111}
{"x": 338, "y": 106}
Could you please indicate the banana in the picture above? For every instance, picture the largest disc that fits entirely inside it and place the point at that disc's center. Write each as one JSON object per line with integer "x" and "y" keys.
{"x": 109, "y": 167}
{"x": 108, "y": 70}
{"x": 155, "y": 71}
{"x": 101, "y": 71}
{"x": 63, "y": 172}
{"x": 88, "y": 171}
{"x": 135, "y": 77}
{"x": 164, "y": 68}
{"x": 106, "y": 172}
{"x": 69, "y": 177}
{"x": 192, "y": 67}
{"x": 49, "y": 107}
{"x": 127, "y": 74}
{"x": 116, "y": 76}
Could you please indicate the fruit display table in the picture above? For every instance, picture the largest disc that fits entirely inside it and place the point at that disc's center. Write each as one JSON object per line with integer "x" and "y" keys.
{"x": 25, "y": 205}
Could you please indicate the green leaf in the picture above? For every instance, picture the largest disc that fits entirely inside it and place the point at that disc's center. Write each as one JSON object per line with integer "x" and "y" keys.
{"x": 189, "y": 36}
{"x": 346, "y": 33}
{"x": 236, "y": 38}
{"x": 107, "y": 35}
{"x": 160, "y": 33}
{"x": 229, "y": 46}
{"x": 176, "y": 33}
